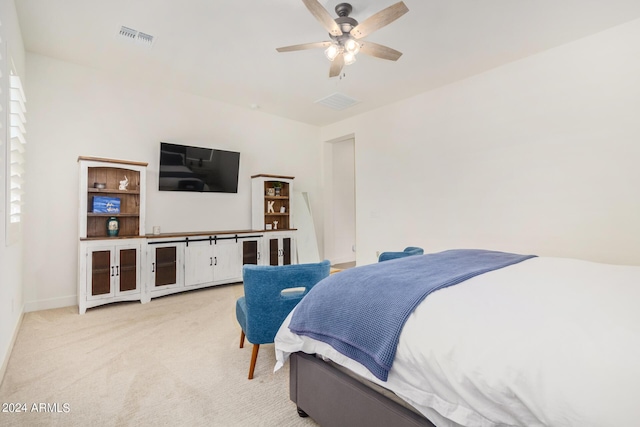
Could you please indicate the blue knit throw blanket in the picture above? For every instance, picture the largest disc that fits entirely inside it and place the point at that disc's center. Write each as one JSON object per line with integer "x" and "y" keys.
{"x": 361, "y": 311}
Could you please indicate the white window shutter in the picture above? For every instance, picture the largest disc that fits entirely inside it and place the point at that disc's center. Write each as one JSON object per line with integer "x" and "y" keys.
{"x": 17, "y": 113}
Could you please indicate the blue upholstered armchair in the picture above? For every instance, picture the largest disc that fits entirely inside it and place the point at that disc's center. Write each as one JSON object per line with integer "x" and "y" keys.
{"x": 270, "y": 293}
{"x": 408, "y": 251}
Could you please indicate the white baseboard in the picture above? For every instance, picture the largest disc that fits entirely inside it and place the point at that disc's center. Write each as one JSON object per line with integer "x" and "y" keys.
{"x": 5, "y": 361}
{"x": 46, "y": 304}
{"x": 344, "y": 259}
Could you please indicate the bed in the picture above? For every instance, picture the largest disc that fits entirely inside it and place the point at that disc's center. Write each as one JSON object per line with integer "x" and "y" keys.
{"x": 540, "y": 342}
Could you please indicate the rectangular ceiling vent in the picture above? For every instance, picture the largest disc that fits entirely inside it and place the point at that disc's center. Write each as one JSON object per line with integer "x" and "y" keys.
{"x": 337, "y": 101}
{"x": 145, "y": 38}
{"x": 135, "y": 36}
{"x": 127, "y": 33}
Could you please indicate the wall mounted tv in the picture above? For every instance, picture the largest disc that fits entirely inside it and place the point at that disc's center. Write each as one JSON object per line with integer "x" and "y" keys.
{"x": 186, "y": 168}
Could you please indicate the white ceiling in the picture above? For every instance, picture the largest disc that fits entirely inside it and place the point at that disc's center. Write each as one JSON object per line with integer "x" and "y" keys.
{"x": 225, "y": 50}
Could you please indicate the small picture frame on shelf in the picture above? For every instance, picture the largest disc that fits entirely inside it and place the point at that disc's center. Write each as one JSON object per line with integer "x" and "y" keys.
{"x": 267, "y": 226}
{"x": 271, "y": 191}
{"x": 109, "y": 205}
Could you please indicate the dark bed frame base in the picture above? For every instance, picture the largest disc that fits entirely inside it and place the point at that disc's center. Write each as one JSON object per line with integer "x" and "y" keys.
{"x": 332, "y": 398}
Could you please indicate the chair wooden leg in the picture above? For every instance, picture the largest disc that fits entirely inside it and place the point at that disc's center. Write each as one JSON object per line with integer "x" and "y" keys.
{"x": 242, "y": 339}
{"x": 254, "y": 357}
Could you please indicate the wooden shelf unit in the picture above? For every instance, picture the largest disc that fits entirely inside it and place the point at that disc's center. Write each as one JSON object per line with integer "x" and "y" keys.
{"x": 110, "y": 268}
{"x": 262, "y": 197}
{"x": 111, "y": 172}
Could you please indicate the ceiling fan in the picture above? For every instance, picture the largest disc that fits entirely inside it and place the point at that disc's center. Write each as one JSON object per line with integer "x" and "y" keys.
{"x": 346, "y": 34}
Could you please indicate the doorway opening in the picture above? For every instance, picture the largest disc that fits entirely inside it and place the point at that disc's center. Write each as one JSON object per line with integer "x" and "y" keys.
{"x": 340, "y": 206}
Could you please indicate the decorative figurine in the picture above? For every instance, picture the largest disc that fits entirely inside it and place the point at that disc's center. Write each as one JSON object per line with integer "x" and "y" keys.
{"x": 283, "y": 209}
{"x": 270, "y": 206}
{"x": 275, "y": 225}
{"x": 124, "y": 183}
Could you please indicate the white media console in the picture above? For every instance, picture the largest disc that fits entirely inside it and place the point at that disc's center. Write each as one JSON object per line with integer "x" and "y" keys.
{"x": 118, "y": 262}
{"x": 142, "y": 268}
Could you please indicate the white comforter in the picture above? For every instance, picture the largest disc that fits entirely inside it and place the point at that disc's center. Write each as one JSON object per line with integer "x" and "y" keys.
{"x": 546, "y": 342}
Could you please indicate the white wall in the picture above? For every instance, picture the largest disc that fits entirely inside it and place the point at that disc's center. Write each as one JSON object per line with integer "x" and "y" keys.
{"x": 537, "y": 156}
{"x": 11, "y": 294}
{"x": 78, "y": 111}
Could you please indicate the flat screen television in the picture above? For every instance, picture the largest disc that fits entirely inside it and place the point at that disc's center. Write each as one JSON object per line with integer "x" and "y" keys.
{"x": 186, "y": 168}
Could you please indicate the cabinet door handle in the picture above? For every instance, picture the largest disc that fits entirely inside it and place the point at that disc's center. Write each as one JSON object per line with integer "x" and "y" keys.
{"x": 258, "y": 256}
{"x": 153, "y": 267}
{"x": 216, "y": 260}
{"x": 112, "y": 271}
{"x": 210, "y": 261}
{"x": 117, "y": 270}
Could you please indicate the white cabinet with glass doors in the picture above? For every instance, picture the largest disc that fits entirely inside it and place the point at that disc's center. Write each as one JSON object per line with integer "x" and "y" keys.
{"x": 109, "y": 272}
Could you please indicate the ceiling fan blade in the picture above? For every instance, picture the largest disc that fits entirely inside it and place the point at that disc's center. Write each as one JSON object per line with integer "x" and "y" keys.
{"x": 379, "y": 51}
{"x": 323, "y": 17}
{"x": 379, "y": 20}
{"x": 303, "y": 46}
{"x": 336, "y": 66}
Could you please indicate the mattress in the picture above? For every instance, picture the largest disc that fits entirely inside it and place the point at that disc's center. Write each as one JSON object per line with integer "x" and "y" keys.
{"x": 546, "y": 342}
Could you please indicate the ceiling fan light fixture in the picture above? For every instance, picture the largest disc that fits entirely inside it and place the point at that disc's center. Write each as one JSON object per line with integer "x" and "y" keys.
{"x": 332, "y": 51}
{"x": 346, "y": 34}
{"x": 349, "y": 58}
{"x": 352, "y": 46}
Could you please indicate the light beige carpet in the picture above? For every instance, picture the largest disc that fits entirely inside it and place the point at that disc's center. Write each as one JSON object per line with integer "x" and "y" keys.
{"x": 172, "y": 362}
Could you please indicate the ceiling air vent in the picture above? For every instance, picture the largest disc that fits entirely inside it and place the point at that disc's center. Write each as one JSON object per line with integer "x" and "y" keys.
{"x": 136, "y": 36}
{"x": 145, "y": 38}
{"x": 128, "y": 33}
{"x": 337, "y": 101}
